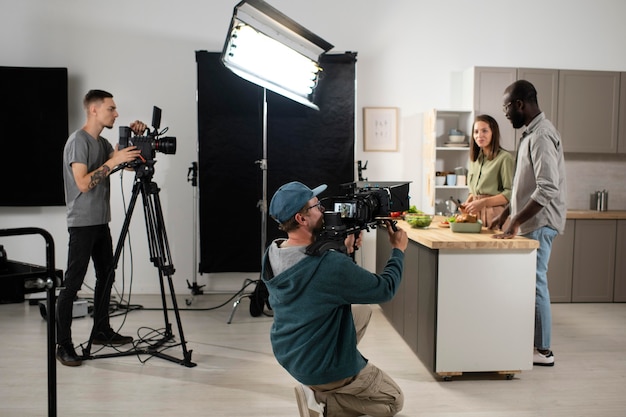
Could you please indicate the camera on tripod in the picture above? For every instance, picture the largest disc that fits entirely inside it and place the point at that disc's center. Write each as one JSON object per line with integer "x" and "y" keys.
{"x": 150, "y": 144}
{"x": 365, "y": 205}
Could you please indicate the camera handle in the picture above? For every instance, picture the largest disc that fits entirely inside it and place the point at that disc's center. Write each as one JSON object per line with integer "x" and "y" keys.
{"x": 334, "y": 240}
{"x": 322, "y": 245}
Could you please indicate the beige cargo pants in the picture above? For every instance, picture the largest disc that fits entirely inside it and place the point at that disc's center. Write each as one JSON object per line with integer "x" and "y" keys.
{"x": 371, "y": 392}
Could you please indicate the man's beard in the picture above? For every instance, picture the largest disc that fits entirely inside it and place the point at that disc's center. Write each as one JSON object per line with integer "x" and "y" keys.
{"x": 317, "y": 230}
{"x": 517, "y": 120}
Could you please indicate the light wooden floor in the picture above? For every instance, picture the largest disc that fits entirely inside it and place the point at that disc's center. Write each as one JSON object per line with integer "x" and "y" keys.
{"x": 236, "y": 374}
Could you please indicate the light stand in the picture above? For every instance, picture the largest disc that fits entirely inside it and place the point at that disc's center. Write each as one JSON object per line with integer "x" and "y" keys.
{"x": 161, "y": 258}
{"x": 262, "y": 204}
{"x": 192, "y": 176}
{"x": 273, "y": 51}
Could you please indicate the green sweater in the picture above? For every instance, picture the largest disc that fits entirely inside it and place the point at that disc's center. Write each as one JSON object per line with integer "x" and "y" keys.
{"x": 313, "y": 335}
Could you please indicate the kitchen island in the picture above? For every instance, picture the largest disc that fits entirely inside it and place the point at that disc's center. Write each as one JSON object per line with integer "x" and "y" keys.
{"x": 466, "y": 302}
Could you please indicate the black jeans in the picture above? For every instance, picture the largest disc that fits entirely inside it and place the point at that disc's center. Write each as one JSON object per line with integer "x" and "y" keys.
{"x": 85, "y": 243}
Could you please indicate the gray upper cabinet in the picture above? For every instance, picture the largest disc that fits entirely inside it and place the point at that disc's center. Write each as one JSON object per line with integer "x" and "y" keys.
{"x": 588, "y": 110}
{"x": 546, "y": 82}
{"x": 489, "y": 85}
{"x": 621, "y": 141}
{"x": 583, "y": 105}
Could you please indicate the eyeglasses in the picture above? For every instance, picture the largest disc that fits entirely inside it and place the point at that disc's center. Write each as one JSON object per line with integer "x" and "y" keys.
{"x": 319, "y": 206}
{"x": 507, "y": 106}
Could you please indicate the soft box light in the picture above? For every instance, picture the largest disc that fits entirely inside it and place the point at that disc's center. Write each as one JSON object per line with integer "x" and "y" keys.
{"x": 269, "y": 49}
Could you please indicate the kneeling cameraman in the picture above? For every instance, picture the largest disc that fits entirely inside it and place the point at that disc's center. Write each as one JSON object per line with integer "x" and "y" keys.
{"x": 316, "y": 327}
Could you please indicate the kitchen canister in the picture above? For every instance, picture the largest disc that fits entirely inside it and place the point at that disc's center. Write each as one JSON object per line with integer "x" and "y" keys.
{"x": 599, "y": 200}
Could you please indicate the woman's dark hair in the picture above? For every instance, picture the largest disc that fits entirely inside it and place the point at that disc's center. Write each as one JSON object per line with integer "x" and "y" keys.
{"x": 495, "y": 138}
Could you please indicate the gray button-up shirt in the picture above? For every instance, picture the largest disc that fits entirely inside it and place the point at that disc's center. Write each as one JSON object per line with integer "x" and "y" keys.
{"x": 540, "y": 175}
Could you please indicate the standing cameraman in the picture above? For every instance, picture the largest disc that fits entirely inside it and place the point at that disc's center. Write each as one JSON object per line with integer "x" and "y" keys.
{"x": 88, "y": 160}
{"x": 316, "y": 328}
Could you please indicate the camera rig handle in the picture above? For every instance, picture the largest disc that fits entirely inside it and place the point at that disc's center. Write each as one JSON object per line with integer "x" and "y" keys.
{"x": 333, "y": 238}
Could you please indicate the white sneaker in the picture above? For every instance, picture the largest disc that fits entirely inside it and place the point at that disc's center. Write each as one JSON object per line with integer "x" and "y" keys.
{"x": 542, "y": 359}
{"x": 307, "y": 404}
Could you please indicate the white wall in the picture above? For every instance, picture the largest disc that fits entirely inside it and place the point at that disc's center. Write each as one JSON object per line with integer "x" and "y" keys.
{"x": 410, "y": 55}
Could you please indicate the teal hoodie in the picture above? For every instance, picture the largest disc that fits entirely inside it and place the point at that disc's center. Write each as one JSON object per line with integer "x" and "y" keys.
{"x": 313, "y": 335}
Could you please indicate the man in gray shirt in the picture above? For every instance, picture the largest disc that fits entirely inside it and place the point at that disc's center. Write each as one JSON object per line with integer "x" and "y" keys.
{"x": 537, "y": 209}
{"x": 88, "y": 160}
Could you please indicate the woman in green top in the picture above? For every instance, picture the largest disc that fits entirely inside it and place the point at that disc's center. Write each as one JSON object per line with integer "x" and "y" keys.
{"x": 490, "y": 176}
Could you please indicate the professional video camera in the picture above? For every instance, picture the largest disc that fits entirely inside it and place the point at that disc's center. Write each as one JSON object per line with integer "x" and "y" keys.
{"x": 365, "y": 205}
{"x": 149, "y": 144}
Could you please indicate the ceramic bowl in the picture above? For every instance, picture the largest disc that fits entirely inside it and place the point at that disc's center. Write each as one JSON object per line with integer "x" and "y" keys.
{"x": 456, "y": 138}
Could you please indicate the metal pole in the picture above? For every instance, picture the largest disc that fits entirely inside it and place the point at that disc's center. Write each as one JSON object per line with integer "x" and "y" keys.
{"x": 50, "y": 285}
{"x": 264, "y": 212}
{"x": 192, "y": 176}
{"x": 263, "y": 165}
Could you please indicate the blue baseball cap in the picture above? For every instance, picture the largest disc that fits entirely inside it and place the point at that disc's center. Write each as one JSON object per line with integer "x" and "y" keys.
{"x": 290, "y": 198}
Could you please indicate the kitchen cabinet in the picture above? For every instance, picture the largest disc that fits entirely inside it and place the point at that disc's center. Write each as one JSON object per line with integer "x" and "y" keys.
{"x": 587, "y": 262}
{"x": 588, "y": 110}
{"x": 488, "y": 85}
{"x": 394, "y": 310}
{"x": 546, "y": 82}
{"x": 560, "y": 266}
{"x": 621, "y": 140}
{"x": 402, "y": 310}
{"x": 594, "y": 261}
{"x": 569, "y": 98}
{"x": 438, "y": 155}
{"x": 619, "y": 290}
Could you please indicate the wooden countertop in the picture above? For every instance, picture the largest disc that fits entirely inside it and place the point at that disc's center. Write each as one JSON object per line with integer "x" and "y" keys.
{"x": 436, "y": 237}
{"x": 595, "y": 215}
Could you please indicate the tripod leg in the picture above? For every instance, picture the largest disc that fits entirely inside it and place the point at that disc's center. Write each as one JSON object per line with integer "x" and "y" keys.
{"x": 161, "y": 257}
{"x": 118, "y": 251}
{"x": 156, "y": 244}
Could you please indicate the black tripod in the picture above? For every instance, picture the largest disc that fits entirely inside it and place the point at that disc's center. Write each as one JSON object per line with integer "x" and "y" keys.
{"x": 161, "y": 258}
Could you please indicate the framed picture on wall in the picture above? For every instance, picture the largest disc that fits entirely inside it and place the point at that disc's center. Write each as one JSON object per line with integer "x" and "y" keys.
{"x": 380, "y": 129}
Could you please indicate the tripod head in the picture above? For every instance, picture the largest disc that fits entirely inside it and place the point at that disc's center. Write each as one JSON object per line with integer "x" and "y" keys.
{"x": 145, "y": 171}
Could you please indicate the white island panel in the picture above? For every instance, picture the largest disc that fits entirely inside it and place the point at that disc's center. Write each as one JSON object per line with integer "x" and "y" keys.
{"x": 485, "y": 310}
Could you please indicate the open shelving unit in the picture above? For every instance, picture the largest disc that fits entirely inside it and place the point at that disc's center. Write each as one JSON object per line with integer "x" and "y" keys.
{"x": 438, "y": 157}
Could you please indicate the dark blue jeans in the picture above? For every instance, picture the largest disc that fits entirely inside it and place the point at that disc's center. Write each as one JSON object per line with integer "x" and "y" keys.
{"x": 85, "y": 243}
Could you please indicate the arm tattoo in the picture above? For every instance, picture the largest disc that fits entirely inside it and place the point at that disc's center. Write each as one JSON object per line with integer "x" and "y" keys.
{"x": 99, "y": 175}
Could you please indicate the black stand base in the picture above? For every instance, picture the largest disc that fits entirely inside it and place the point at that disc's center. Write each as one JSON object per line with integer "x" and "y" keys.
{"x": 195, "y": 288}
{"x": 152, "y": 350}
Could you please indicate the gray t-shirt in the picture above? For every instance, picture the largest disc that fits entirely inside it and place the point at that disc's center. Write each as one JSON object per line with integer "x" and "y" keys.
{"x": 282, "y": 259}
{"x": 92, "y": 207}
